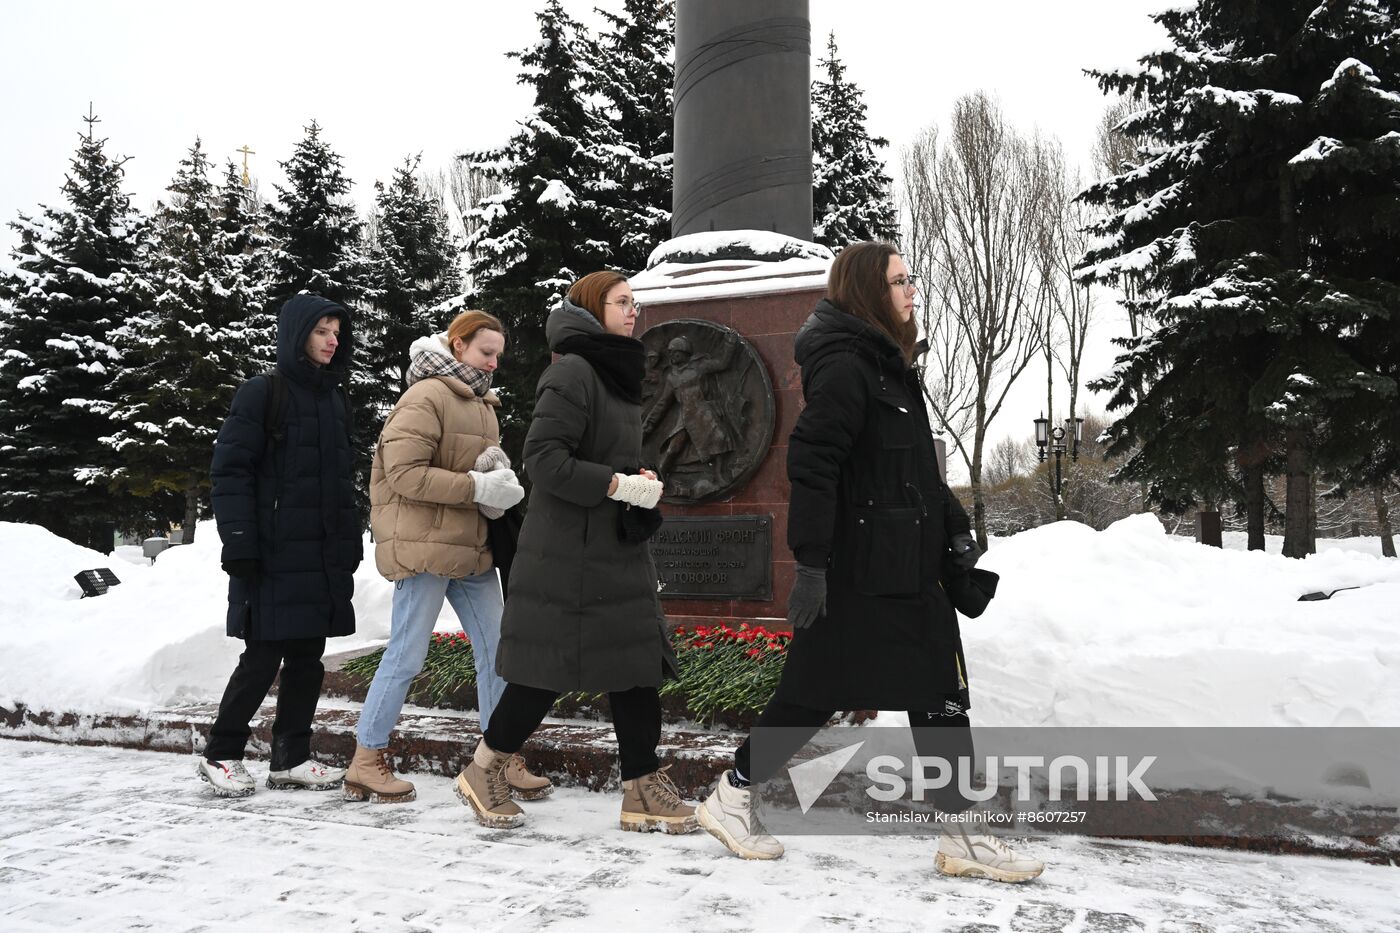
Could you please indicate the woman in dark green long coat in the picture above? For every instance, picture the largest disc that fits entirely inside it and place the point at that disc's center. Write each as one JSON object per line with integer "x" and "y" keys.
{"x": 582, "y": 613}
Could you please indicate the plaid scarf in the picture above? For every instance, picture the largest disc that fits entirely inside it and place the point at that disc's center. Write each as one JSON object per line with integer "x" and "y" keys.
{"x": 433, "y": 363}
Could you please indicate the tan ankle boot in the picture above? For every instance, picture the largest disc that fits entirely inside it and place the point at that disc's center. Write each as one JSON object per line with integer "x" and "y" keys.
{"x": 523, "y": 784}
{"x": 482, "y": 786}
{"x": 371, "y": 778}
{"x": 652, "y": 802}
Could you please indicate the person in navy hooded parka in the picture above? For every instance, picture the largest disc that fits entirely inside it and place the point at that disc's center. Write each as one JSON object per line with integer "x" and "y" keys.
{"x": 284, "y": 501}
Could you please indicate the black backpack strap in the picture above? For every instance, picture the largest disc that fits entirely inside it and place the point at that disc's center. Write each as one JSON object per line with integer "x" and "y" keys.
{"x": 275, "y": 409}
{"x": 349, "y": 414}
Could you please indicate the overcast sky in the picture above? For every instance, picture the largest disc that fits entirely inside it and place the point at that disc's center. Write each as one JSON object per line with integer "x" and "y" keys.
{"x": 386, "y": 80}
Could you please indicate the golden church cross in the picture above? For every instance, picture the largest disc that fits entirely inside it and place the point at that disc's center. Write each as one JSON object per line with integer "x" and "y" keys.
{"x": 246, "y": 152}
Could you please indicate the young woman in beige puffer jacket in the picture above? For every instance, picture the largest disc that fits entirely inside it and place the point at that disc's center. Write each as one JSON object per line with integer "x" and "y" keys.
{"x": 439, "y": 474}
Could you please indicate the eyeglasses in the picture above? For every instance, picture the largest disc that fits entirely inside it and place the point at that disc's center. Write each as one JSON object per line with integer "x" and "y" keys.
{"x": 626, "y": 303}
{"x": 905, "y": 281}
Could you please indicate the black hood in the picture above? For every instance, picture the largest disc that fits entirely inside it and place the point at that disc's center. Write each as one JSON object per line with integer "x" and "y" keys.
{"x": 829, "y": 328}
{"x": 294, "y": 324}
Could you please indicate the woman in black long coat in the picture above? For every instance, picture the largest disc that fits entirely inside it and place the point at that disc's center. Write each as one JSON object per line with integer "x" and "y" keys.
{"x": 880, "y": 542}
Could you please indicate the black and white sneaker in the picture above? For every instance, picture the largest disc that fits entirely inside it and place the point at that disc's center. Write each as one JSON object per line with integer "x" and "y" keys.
{"x": 309, "y": 775}
{"x": 227, "y": 778}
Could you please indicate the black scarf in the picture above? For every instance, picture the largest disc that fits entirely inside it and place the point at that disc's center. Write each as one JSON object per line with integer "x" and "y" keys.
{"x": 619, "y": 361}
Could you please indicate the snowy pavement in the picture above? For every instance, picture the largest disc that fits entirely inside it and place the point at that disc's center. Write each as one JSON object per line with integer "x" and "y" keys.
{"x": 100, "y": 838}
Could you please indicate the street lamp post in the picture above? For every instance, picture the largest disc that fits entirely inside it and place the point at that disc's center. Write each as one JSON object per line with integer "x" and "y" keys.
{"x": 1054, "y": 439}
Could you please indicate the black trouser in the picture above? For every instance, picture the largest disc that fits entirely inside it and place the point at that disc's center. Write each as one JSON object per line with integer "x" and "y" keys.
{"x": 936, "y": 735}
{"x": 297, "y": 695}
{"x": 636, "y": 716}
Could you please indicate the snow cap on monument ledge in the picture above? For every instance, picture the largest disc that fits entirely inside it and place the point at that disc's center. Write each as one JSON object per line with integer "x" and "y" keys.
{"x": 759, "y": 245}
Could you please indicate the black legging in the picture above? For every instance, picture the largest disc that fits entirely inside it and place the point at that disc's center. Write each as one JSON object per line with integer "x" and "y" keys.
{"x": 636, "y": 715}
{"x": 936, "y": 735}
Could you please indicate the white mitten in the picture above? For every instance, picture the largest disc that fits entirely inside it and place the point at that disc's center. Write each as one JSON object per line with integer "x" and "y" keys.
{"x": 491, "y": 459}
{"x": 638, "y": 490}
{"x": 498, "y": 489}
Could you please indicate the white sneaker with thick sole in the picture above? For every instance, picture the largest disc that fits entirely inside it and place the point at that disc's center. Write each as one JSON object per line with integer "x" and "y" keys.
{"x": 227, "y": 778}
{"x": 727, "y": 814}
{"x": 971, "y": 855}
{"x": 309, "y": 775}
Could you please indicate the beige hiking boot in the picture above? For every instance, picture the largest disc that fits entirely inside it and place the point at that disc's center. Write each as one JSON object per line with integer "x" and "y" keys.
{"x": 652, "y": 802}
{"x": 523, "y": 784}
{"x": 972, "y": 855}
{"x": 371, "y": 778}
{"x": 482, "y": 786}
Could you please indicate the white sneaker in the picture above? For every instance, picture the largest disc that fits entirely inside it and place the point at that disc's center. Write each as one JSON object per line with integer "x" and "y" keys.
{"x": 228, "y": 778}
{"x": 727, "y": 814}
{"x": 970, "y": 855}
{"x": 310, "y": 774}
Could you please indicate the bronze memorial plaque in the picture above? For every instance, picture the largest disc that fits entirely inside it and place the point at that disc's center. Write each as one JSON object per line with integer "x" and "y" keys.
{"x": 715, "y": 557}
{"x": 707, "y": 408}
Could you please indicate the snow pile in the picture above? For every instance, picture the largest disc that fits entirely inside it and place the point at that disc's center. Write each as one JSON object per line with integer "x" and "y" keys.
{"x": 156, "y": 639}
{"x": 1131, "y": 626}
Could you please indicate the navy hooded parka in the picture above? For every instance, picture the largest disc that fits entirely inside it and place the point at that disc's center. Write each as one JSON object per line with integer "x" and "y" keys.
{"x": 290, "y": 505}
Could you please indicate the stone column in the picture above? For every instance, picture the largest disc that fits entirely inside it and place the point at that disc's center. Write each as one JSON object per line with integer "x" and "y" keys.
{"x": 743, "y": 121}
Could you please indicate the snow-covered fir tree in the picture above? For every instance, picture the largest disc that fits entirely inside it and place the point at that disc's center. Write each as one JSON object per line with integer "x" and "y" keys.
{"x": 631, "y": 70}
{"x": 545, "y": 228}
{"x": 314, "y": 223}
{"x": 413, "y": 269}
{"x": 1264, "y": 226}
{"x": 1347, "y": 186}
{"x": 76, "y": 279}
{"x": 248, "y": 248}
{"x": 205, "y": 332}
{"x": 851, "y": 198}
{"x": 320, "y": 249}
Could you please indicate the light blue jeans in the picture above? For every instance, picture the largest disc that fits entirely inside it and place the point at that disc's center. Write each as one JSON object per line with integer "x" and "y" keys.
{"x": 417, "y": 604}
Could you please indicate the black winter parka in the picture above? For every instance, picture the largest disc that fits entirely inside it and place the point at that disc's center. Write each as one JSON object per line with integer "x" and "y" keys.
{"x": 870, "y": 507}
{"x": 290, "y": 505}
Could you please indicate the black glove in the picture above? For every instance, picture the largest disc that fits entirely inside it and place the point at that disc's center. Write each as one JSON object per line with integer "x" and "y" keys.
{"x": 965, "y": 551}
{"x": 808, "y": 599}
{"x": 242, "y": 569}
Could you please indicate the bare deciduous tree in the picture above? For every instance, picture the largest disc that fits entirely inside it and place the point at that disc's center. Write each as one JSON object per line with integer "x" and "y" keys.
{"x": 1064, "y": 239}
{"x": 950, "y": 386}
{"x": 976, "y": 206}
{"x": 1009, "y": 459}
{"x": 466, "y": 186}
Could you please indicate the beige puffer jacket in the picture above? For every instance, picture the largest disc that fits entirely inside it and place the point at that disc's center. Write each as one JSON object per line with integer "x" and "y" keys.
{"x": 422, "y": 510}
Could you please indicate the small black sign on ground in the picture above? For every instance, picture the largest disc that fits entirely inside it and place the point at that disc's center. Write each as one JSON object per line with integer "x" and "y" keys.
{"x": 96, "y": 582}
